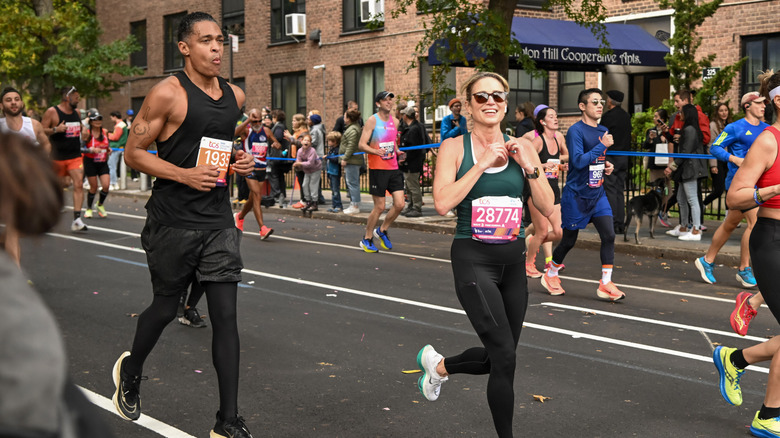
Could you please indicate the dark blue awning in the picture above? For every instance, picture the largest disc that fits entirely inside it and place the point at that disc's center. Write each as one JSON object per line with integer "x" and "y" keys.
{"x": 562, "y": 45}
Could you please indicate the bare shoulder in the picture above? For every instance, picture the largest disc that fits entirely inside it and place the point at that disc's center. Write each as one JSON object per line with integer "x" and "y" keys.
{"x": 165, "y": 91}
{"x": 239, "y": 93}
{"x": 50, "y": 117}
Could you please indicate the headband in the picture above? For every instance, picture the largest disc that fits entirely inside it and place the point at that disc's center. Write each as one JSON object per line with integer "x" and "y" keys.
{"x": 774, "y": 92}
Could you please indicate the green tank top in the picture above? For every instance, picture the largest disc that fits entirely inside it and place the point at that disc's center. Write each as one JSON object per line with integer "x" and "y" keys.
{"x": 506, "y": 182}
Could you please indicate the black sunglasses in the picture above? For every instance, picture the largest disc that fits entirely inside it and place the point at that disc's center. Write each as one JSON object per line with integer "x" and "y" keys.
{"x": 482, "y": 97}
{"x": 598, "y": 101}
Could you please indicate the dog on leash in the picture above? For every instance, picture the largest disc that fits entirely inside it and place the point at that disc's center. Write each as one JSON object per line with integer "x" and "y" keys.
{"x": 648, "y": 205}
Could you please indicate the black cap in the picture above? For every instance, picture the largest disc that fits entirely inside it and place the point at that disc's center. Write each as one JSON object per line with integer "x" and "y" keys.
{"x": 93, "y": 114}
{"x": 616, "y": 95}
{"x": 383, "y": 95}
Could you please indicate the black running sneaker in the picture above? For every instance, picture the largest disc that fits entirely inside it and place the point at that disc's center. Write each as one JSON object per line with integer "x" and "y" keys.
{"x": 127, "y": 399}
{"x": 234, "y": 428}
{"x": 192, "y": 318}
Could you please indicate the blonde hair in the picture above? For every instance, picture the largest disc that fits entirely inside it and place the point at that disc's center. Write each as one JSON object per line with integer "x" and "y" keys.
{"x": 298, "y": 118}
{"x": 335, "y": 136}
{"x": 469, "y": 84}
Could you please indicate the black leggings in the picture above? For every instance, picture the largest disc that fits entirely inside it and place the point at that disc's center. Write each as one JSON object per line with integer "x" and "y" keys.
{"x": 765, "y": 255}
{"x": 224, "y": 342}
{"x": 491, "y": 286}
{"x": 606, "y": 231}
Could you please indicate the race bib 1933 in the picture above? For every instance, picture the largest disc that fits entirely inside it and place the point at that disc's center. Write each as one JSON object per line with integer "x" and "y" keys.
{"x": 215, "y": 152}
{"x": 496, "y": 219}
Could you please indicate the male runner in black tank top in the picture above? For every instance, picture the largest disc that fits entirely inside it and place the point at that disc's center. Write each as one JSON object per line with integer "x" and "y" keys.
{"x": 62, "y": 124}
{"x": 189, "y": 213}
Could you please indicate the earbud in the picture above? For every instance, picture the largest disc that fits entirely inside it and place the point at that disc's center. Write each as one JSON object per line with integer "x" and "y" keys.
{"x": 544, "y": 124}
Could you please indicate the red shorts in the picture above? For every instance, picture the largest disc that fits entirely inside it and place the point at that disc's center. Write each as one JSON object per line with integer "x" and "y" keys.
{"x": 63, "y": 167}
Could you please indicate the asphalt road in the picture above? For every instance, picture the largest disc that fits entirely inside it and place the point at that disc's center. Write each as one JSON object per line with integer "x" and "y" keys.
{"x": 327, "y": 332}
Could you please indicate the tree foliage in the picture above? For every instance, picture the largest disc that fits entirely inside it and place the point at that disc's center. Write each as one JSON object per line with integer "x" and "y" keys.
{"x": 52, "y": 43}
{"x": 684, "y": 69}
{"x": 478, "y": 34}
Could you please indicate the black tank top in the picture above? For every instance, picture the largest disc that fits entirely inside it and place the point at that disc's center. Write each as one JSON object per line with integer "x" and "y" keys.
{"x": 177, "y": 205}
{"x": 67, "y": 145}
{"x": 545, "y": 155}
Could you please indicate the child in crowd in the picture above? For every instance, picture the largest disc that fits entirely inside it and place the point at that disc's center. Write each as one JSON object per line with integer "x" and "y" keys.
{"x": 310, "y": 163}
{"x": 334, "y": 170}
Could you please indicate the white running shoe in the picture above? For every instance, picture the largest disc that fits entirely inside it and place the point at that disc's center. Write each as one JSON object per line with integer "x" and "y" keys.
{"x": 430, "y": 382}
{"x": 690, "y": 236}
{"x": 78, "y": 225}
{"x": 351, "y": 210}
{"x": 675, "y": 231}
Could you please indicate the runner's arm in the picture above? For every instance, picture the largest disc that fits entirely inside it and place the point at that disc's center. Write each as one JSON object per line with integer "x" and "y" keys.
{"x": 759, "y": 159}
{"x": 41, "y": 136}
{"x": 363, "y": 145}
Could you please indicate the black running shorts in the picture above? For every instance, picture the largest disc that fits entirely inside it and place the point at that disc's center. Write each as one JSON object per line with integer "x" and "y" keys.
{"x": 175, "y": 254}
{"x": 381, "y": 181}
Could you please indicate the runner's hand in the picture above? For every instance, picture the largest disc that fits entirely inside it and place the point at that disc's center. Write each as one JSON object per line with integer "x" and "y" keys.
{"x": 245, "y": 163}
{"x": 607, "y": 139}
{"x": 494, "y": 155}
{"x": 608, "y": 168}
{"x": 515, "y": 149}
{"x": 202, "y": 178}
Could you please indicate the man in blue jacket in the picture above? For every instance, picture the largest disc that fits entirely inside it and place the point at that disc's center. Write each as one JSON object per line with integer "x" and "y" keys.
{"x": 453, "y": 124}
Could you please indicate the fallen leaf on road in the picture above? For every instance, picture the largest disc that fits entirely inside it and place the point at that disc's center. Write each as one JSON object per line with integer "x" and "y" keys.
{"x": 683, "y": 300}
{"x": 638, "y": 263}
{"x": 540, "y": 398}
{"x": 411, "y": 371}
{"x": 325, "y": 364}
{"x": 132, "y": 315}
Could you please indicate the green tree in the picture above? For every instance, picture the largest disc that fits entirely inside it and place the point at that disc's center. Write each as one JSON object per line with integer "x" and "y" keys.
{"x": 478, "y": 34}
{"x": 51, "y": 43}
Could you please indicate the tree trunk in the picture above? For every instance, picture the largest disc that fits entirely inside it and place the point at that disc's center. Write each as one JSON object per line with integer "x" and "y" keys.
{"x": 506, "y": 10}
{"x": 45, "y": 8}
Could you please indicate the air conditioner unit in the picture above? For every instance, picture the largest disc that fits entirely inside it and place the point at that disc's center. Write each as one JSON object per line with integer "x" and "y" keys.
{"x": 295, "y": 25}
{"x": 441, "y": 112}
{"x": 369, "y": 9}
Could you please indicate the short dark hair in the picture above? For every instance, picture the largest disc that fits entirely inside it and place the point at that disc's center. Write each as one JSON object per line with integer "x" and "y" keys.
{"x": 116, "y": 114}
{"x": 188, "y": 22}
{"x": 279, "y": 115}
{"x": 684, "y": 95}
{"x": 539, "y": 117}
{"x": 583, "y": 97}
{"x": 353, "y": 115}
{"x": 67, "y": 90}
{"x": 7, "y": 90}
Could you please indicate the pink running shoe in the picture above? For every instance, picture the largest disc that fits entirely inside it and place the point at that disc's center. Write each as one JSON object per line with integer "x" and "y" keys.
{"x": 742, "y": 314}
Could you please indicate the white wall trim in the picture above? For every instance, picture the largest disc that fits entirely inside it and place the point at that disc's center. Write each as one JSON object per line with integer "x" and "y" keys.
{"x": 631, "y": 17}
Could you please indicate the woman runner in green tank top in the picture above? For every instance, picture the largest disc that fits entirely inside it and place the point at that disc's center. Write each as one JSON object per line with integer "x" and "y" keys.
{"x": 483, "y": 174}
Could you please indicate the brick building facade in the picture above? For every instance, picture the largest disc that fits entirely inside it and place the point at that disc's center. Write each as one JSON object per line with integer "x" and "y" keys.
{"x": 279, "y": 71}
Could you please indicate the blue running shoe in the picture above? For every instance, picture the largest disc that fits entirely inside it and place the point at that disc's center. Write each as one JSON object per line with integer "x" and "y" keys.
{"x": 368, "y": 245}
{"x": 706, "y": 270}
{"x": 765, "y": 428}
{"x": 745, "y": 276}
{"x": 384, "y": 240}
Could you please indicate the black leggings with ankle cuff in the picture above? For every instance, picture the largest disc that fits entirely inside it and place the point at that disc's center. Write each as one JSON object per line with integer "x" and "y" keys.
{"x": 606, "y": 231}
{"x": 221, "y": 299}
{"x": 491, "y": 286}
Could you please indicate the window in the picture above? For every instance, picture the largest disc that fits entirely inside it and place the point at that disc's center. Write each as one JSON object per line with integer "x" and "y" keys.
{"x": 531, "y": 4}
{"x": 351, "y": 19}
{"x": 361, "y": 84}
{"x": 135, "y": 104}
{"x": 289, "y": 93}
{"x": 443, "y": 94}
{"x": 522, "y": 88}
{"x": 173, "y": 59}
{"x": 571, "y": 83}
{"x": 763, "y": 52}
{"x": 138, "y": 30}
{"x": 280, "y": 8}
{"x": 233, "y": 18}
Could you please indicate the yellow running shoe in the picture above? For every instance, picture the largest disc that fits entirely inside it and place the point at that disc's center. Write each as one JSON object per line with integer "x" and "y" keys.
{"x": 88, "y": 213}
{"x": 101, "y": 211}
{"x": 729, "y": 375}
{"x": 765, "y": 428}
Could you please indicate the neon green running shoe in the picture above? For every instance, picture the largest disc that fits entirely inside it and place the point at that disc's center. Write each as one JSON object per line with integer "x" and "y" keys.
{"x": 88, "y": 213}
{"x": 101, "y": 211}
{"x": 765, "y": 428}
{"x": 729, "y": 375}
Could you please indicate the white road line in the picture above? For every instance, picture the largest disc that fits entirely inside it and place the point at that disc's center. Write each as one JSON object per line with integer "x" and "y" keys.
{"x": 440, "y": 260}
{"x": 655, "y": 321}
{"x": 146, "y": 421}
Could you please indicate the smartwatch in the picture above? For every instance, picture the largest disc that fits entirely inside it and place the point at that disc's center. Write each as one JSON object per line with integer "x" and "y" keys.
{"x": 535, "y": 174}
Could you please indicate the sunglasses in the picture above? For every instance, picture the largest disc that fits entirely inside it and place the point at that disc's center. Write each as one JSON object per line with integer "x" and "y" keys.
{"x": 482, "y": 97}
{"x": 72, "y": 90}
{"x": 598, "y": 101}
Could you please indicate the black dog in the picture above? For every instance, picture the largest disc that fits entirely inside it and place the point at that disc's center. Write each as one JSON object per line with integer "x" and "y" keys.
{"x": 648, "y": 205}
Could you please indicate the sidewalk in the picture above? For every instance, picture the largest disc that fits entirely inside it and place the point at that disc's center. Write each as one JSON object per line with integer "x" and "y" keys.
{"x": 663, "y": 246}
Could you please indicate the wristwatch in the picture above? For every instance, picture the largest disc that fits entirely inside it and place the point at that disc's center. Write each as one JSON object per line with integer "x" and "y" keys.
{"x": 533, "y": 175}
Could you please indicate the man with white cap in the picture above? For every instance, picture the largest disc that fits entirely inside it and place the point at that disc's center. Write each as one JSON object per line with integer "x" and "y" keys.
{"x": 732, "y": 145}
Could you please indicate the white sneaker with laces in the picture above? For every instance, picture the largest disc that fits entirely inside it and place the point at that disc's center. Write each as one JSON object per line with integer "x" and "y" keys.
{"x": 78, "y": 225}
{"x": 689, "y": 236}
{"x": 430, "y": 382}
{"x": 351, "y": 210}
{"x": 676, "y": 231}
